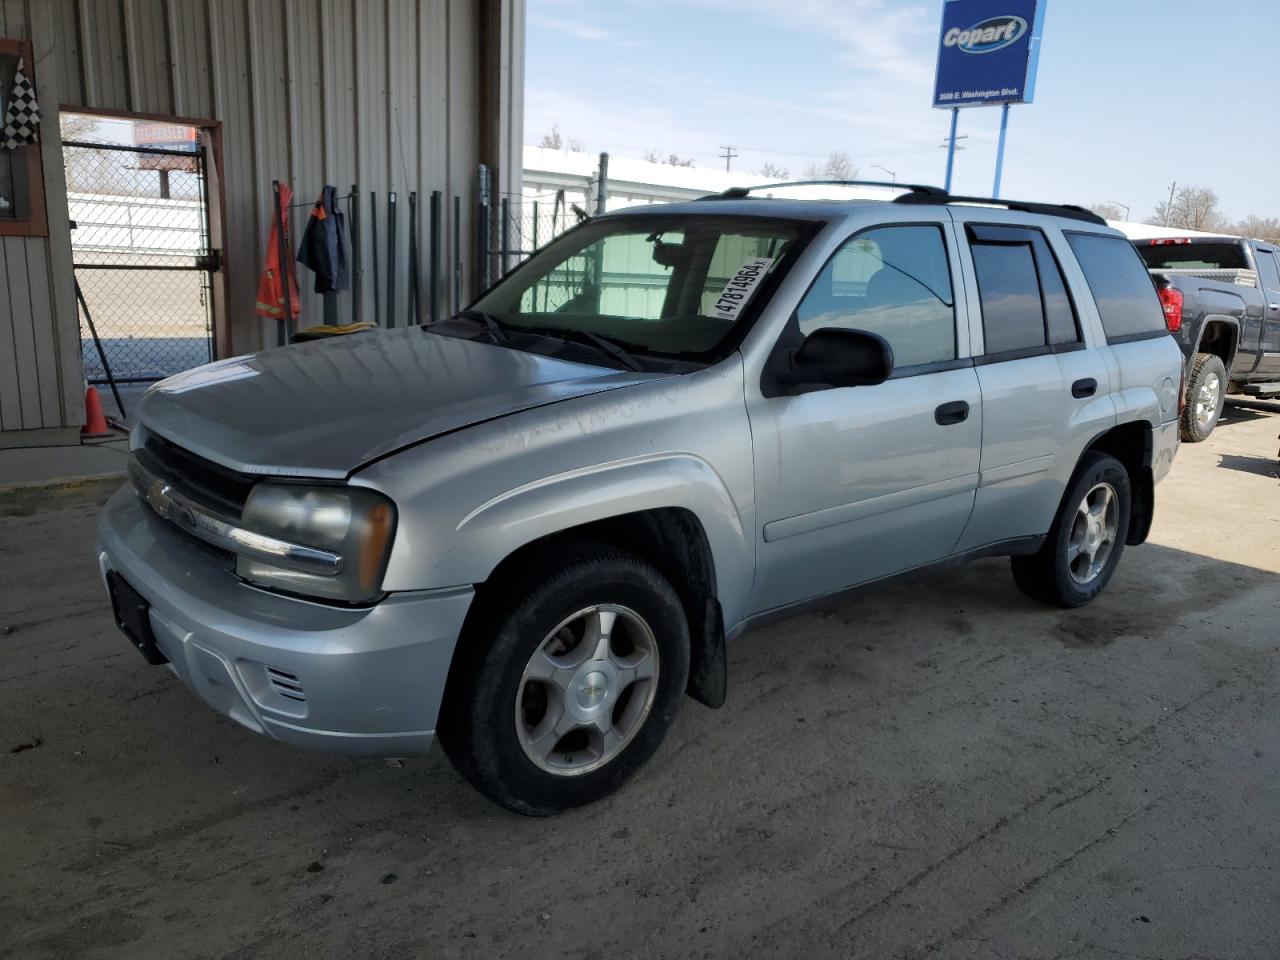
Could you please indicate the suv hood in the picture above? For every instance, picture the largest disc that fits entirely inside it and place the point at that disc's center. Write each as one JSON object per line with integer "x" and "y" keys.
{"x": 325, "y": 408}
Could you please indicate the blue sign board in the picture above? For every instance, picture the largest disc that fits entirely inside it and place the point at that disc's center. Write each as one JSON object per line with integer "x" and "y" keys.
{"x": 987, "y": 52}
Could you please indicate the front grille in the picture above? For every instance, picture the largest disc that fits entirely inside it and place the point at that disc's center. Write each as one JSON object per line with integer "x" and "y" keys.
{"x": 214, "y": 486}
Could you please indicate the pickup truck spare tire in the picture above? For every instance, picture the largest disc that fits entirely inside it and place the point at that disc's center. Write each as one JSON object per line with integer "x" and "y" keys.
{"x": 568, "y": 678}
{"x": 1206, "y": 392}
{"x": 1086, "y": 539}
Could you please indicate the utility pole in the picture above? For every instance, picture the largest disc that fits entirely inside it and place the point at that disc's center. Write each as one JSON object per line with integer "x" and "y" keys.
{"x": 1168, "y": 208}
{"x": 951, "y": 145}
{"x": 728, "y": 155}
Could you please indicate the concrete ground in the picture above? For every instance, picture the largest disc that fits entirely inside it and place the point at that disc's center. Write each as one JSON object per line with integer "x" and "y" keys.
{"x": 940, "y": 768}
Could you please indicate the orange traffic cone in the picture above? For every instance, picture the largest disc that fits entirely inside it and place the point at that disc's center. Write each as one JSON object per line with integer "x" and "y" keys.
{"x": 95, "y": 424}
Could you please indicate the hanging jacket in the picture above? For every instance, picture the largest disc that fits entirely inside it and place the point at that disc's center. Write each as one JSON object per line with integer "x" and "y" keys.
{"x": 270, "y": 289}
{"x": 324, "y": 243}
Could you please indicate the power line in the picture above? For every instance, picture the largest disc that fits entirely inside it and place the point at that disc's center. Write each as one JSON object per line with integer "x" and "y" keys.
{"x": 727, "y": 156}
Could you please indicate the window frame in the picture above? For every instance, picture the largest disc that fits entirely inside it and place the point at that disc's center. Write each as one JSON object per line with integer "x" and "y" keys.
{"x": 36, "y": 224}
{"x": 971, "y": 230}
{"x": 1124, "y": 337}
{"x": 792, "y": 329}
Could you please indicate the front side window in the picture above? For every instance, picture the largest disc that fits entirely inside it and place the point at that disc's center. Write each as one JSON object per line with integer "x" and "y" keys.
{"x": 894, "y": 281}
{"x": 662, "y": 285}
{"x": 1121, "y": 286}
{"x": 1025, "y": 304}
{"x": 1267, "y": 272}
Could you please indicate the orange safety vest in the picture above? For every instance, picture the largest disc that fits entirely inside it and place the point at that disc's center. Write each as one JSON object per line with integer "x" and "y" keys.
{"x": 270, "y": 289}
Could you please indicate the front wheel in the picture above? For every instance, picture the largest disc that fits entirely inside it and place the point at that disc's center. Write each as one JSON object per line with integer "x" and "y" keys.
{"x": 1087, "y": 538}
{"x": 562, "y": 696}
{"x": 1206, "y": 393}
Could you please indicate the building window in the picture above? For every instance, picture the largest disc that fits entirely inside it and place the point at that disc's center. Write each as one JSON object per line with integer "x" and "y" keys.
{"x": 21, "y": 173}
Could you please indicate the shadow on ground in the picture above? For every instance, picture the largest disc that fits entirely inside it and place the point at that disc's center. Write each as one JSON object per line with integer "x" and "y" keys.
{"x": 940, "y": 766}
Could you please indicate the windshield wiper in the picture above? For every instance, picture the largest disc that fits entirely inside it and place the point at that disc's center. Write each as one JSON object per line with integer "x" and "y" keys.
{"x": 604, "y": 344}
{"x": 492, "y": 325}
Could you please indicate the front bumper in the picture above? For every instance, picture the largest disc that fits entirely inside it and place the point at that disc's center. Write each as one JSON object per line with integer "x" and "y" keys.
{"x": 364, "y": 681}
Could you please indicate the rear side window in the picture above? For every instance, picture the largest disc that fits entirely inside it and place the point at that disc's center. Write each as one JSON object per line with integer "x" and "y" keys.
{"x": 1025, "y": 305}
{"x": 1121, "y": 286}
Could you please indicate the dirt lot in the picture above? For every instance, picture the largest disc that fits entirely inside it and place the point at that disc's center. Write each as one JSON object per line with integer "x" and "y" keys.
{"x": 941, "y": 768}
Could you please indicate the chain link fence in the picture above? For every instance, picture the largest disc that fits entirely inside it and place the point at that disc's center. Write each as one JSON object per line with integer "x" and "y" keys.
{"x": 521, "y": 225}
{"x": 142, "y": 261}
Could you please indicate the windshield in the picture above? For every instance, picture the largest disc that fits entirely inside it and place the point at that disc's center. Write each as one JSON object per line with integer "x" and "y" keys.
{"x": 677, "y": 285}
{"x": 1196, "y": 255}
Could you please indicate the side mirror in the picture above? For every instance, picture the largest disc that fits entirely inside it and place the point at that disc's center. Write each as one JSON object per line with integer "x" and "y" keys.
{"x": 832, "y": 357}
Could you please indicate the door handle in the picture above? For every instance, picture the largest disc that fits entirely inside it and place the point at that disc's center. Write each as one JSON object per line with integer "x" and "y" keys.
{"x": 1084, "y": 388}
{"x": 955, "y": 412}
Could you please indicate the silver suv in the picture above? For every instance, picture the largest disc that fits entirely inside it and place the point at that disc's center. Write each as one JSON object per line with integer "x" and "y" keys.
{"x": 529, "y": 529}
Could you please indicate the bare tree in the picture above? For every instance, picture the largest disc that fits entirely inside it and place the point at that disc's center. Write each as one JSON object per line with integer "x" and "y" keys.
{"x": 1260, "y": 228}
{"x": 837, "y": 166}
{"x": 552, "y": 140}
{"x": 771, "y": 172}
{"x": 1107, "y": 211}
{"x": 1193, "y": 208}
{"x": 672, "y": 160}
{"x": 574, "y": 145}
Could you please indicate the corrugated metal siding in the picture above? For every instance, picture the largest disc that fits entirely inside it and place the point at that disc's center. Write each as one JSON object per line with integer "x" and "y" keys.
{"x": 39, "y": 342}
{"x": 383, "y": 93}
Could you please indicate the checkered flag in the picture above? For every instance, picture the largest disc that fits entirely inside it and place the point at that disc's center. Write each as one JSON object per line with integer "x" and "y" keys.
{"x": 22, "y": 119}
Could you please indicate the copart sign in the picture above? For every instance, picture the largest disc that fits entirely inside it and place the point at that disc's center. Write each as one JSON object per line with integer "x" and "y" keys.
{"x": 987, "y": 52}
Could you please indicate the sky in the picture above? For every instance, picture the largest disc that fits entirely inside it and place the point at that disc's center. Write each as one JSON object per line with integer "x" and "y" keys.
{"x": 1132, "y": 95}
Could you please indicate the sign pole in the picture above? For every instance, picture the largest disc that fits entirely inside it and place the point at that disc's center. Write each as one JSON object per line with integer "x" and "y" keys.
{"x": 951, "y": 147}
{"x": 1004, "y": 129}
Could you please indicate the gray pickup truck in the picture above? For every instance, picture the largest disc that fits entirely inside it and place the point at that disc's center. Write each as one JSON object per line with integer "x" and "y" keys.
{"x": 528, "y": 530}
{"x": 1221, "y": 298}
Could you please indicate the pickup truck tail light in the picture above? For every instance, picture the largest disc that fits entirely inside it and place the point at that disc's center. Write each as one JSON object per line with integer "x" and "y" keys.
{"x": 1171, "y": 303}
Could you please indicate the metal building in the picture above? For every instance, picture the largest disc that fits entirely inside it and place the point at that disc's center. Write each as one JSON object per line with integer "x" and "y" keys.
{"x": 390, "y": 95}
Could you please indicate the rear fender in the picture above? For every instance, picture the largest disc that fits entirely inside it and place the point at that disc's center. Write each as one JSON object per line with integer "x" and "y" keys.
{"x": 1212, "y": 323}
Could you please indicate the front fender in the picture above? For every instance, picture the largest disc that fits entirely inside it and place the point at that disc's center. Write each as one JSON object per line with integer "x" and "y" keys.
{"x": 503, "y": 524}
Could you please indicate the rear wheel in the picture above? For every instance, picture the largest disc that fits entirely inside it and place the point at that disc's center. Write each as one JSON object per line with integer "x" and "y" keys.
{"x": 1206, "y": 393}
{"x": 1084, "y": 546}
{"x": 562, "y": 696}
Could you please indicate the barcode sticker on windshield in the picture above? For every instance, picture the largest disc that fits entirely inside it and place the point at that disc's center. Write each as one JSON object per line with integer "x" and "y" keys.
{"x": 741, "y": 285}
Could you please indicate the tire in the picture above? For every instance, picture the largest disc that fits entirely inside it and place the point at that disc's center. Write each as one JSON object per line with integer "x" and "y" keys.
{"x": 1063, "y": 574}
{"x": 1206, "y": 392}
{"x": 534, "y": 667}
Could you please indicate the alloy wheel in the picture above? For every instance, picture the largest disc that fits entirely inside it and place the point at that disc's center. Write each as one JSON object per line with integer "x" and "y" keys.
{"x": 587, "y": 690}
{"x": 1207, "y": 400}
{"x": 1093, "y": 533}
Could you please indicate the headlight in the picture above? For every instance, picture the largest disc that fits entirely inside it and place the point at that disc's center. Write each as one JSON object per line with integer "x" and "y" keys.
{"x": 342, "y": 535}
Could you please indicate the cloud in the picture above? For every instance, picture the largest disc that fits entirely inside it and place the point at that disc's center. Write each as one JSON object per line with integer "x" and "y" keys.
{"x": 881, "y": 38}
{"x": 581, "y": 30}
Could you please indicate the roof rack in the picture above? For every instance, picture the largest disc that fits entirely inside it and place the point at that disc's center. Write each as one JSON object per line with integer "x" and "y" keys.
{"x": 914, "y": 189}
{"x": 1068, "y": 210}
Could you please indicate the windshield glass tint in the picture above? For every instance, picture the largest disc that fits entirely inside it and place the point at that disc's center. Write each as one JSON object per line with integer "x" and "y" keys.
{"x": 666, "y": 285}
{"x": 1193, "y": 256}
